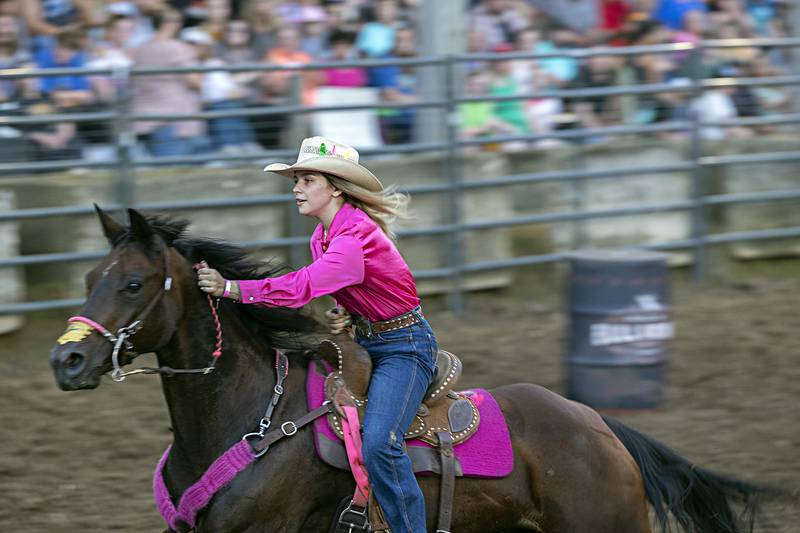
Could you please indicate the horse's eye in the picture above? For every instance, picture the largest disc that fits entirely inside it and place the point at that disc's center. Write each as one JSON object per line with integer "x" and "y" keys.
{"x": 133, "y": 287}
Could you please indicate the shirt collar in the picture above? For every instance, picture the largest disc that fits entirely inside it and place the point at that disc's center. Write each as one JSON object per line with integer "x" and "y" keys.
{"x": 341, "y": 216}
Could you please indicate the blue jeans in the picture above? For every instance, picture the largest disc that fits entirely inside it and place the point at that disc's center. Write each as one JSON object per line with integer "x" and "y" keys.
{"x": 164, "y": 142}
{"x": 403, "y": 365}
{"x": 231, "y": 130}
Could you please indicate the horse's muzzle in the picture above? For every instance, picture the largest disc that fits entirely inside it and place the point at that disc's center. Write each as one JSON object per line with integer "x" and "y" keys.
{"x": 70, "y": 365}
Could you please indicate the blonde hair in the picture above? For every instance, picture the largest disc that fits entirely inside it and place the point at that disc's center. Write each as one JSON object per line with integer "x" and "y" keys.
{"x": 383, "y": 207}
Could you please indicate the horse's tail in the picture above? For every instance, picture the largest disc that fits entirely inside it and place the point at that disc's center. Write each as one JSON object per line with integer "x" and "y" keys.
{"x": 698, "y": 499}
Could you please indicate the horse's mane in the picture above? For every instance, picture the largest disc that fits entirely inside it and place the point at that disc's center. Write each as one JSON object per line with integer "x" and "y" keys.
{"x": 281, "y": 327}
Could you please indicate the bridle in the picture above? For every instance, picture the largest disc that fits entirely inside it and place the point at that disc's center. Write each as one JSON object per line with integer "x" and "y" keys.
{"x": 121, "y": 341}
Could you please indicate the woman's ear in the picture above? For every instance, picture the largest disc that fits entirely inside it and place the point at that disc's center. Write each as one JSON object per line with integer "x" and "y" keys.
{"x": 336, "y": 193}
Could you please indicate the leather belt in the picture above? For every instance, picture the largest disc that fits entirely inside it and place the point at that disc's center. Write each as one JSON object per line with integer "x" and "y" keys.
{"x": 366, "y": 328}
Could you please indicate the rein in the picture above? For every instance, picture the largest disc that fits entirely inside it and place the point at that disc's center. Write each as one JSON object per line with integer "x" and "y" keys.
{"x": 121, "y": 341}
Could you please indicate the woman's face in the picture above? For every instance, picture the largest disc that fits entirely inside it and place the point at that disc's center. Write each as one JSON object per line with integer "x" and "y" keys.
{"x": 314, "y": 194}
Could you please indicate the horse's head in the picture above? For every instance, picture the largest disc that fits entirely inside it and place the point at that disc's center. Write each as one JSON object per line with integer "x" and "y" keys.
{"x": 131, "y": 305}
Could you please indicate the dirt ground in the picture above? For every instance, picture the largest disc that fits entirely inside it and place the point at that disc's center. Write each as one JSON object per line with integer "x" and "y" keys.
{"x": 83, "y": 461}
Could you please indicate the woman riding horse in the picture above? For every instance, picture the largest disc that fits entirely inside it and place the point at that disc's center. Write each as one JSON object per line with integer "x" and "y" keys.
{"x": 356, "y": 261}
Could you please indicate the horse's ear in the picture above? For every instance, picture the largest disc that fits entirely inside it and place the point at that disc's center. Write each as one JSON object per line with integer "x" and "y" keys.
{"x": 111, "y": 228}
{"x": 140, "y": 229}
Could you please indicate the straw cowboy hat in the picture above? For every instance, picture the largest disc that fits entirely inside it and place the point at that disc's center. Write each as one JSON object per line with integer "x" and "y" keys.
{"x": 318, "y": 154}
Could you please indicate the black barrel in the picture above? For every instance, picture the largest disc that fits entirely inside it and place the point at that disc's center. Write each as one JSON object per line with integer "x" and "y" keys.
{"x": 619, "y": 328}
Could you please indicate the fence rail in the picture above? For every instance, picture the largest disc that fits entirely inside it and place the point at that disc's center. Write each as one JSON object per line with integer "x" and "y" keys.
{"x": 446, "y": 100}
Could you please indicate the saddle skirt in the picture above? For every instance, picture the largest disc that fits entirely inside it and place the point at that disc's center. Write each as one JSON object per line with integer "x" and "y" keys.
{"x": 486, "y": 453}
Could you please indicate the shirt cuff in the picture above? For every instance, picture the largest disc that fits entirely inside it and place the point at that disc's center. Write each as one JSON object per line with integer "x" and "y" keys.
{"x": 251, "y": 289}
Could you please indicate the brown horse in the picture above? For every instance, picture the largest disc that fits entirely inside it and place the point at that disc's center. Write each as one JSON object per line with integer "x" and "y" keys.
{"x": 574, "y": 471}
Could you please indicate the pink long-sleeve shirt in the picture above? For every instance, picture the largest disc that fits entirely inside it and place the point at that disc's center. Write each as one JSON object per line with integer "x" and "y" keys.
{"x": 357, "y": 264}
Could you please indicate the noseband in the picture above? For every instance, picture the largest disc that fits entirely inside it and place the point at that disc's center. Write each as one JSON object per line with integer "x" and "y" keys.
{"x": 121, "y": 341}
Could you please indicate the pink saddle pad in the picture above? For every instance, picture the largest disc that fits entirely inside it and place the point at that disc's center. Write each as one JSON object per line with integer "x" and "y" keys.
{"x": 487, "y": 453}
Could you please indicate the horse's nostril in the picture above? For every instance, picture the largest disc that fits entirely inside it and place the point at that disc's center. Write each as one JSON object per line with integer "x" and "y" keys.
{"x": 75, "y": 362}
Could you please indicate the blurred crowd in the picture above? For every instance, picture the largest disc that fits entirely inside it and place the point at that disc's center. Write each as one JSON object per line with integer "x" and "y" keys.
{"x": 115, "y": 35}
{"x": 548, "y": 27}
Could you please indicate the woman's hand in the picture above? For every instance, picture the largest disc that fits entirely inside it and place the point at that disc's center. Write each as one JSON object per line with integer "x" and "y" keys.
{"x": 211, "y": 281}
{"x": 338, "y": 319}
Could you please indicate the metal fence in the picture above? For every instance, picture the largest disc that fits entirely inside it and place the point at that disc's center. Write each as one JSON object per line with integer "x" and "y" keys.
{"x": 443, "y": 98}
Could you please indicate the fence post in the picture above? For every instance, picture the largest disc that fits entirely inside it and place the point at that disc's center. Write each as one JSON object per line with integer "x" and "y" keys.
{"x": 124, "y": 136}
{"x": 455, "y": 240}
{"x": 699, "y": 210}
{"x": 297, "y": 128}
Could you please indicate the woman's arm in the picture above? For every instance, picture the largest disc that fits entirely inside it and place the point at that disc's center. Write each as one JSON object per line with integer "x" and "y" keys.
{"x": 32, "y": 13}
{"x": 342, "y": 265}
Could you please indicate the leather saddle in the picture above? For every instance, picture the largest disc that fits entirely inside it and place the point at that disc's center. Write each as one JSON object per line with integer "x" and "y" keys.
{"x": 443, "y": 419}
{"x": 442, "y": 410}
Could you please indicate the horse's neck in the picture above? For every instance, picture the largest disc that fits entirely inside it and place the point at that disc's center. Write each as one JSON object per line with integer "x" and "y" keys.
{"x": 209, "y": 413}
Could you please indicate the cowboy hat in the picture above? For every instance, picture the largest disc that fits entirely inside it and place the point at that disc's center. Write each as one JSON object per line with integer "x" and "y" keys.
{"x": 318, "y": 154}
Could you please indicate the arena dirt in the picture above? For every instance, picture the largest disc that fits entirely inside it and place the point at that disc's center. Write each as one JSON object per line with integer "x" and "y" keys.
{"x": 83, "y": 461}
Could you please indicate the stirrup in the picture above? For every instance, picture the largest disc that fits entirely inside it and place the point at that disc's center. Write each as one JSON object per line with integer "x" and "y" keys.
{"x": 354, "y": 519}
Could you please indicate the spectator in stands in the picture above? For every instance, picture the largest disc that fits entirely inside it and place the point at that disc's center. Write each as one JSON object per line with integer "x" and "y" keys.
{"x": 287, "y": 52}
{"x": 771, "y": 100}
{"x": 112, "y": 53}
{"x": 57, "y": 94}
{"x": 217, "y": 15}
{"x": 765, "y": 15}
{"x": 236, "y": 46}
{"x": 717, "y": 105}
{"x": 397, "y": 84}
{"x": 14, "y": 93}
{"x": 12, "y": 55}
{"x": 729, "y": 59}
{"x": 343, "y": 49}
{"x": 529, "y": 73}
{"x": 659, "y": 107}
{"x": 142, "y": 12}
{"x": 553, "y": 38}
{"x": 314, "y": 34}
{"x": 531, "y": 78}
{"x": 377, "y": 38}
{"x": 671, "y": 12}
{"x": 340, "y": 17}
{"x": 613, "y": 14}
{"x": 692, "y": 30}
{"x": 220, "y": 91}
{"x": 501, "y": 82}
{"x": 300, "y": 11}
{"x": 276, "y": 86}
{"x": 264, "y": 24}
{"x": 497, "y": 21}
{"x": 596, "y": 111}
{"x": 168, "y": 93}
{"x": 66, "y": 91}
{"x": 51, "y": 141}
{"x": 46, "y": 19}
{"x": 476, "y": 44}
{"x": 725, "y": 12}
{"x": 479, "y": 119}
